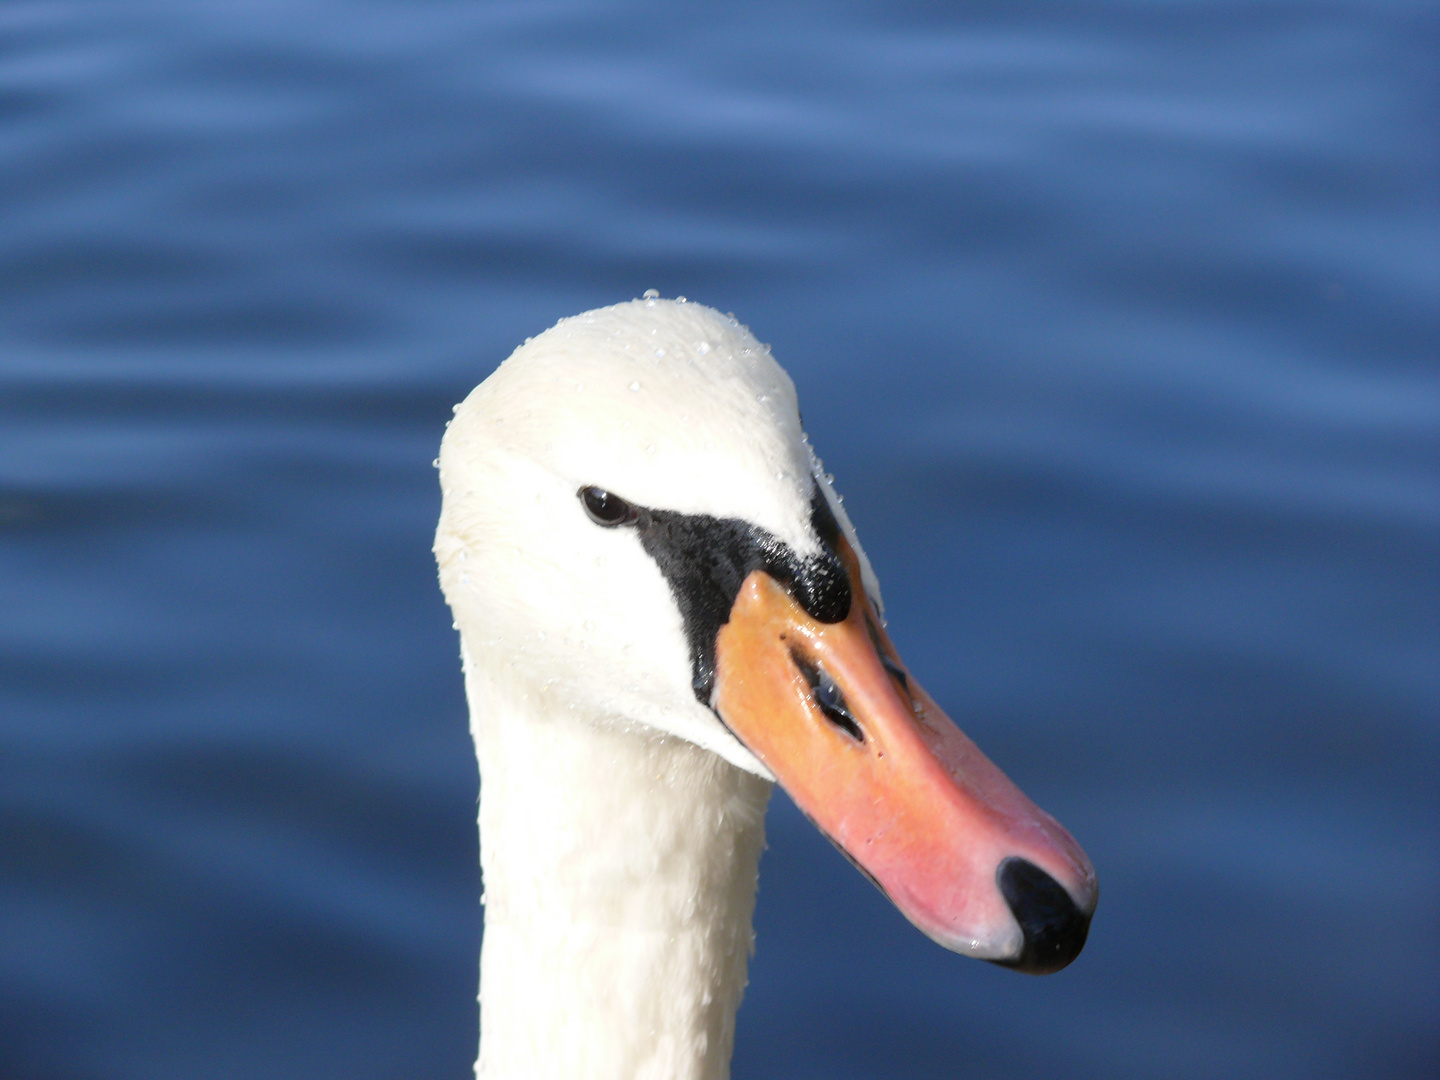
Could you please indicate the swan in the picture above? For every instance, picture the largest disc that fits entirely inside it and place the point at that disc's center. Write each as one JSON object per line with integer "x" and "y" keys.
{"x": 663, "y": 610}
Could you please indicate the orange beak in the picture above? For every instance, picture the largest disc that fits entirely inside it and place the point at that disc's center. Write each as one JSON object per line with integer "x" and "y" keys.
{"x": 886, "y": 775}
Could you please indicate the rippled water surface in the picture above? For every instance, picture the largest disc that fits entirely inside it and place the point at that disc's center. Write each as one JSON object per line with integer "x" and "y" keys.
{"x": 1117, "y": 322}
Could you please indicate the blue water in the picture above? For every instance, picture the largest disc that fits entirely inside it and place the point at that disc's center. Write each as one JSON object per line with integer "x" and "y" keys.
{"x": 1119, "y": 324}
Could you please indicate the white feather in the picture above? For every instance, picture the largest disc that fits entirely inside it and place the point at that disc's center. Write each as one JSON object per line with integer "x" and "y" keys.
{"x": 621, "y": 823}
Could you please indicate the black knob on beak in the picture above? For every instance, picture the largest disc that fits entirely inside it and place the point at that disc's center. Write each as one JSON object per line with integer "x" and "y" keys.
{"x": 1054, "y": 927}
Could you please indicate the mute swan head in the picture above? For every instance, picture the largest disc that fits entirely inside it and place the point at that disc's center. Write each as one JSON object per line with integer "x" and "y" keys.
{"x": 636, "y": 533}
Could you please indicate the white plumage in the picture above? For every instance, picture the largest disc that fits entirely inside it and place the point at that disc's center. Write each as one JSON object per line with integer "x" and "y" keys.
{"x": 621, "y": 821}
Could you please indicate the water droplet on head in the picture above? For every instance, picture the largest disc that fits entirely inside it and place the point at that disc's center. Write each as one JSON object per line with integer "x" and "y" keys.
{"x": 702, "y": 347}
{"x": 659, "y": 352}
{"x": 435, "y": 463}
{"x": 651, "y": 294}
{"x": 650, "y": 449}
{"x": 634, "y": 386}
{"x": 679, "y": 300}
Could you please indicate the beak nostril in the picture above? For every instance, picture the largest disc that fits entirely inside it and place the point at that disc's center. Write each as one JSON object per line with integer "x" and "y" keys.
{"x": 894, "y": 670}
{"x": 827, "y": 695}
{"x": 1055, "y": 929}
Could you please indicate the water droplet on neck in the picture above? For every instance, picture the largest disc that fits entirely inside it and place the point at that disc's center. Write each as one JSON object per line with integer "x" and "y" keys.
{"x": 650, "y": 449}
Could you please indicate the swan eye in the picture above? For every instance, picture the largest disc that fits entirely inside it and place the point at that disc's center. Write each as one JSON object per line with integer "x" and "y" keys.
{"x": 606, "y": 509}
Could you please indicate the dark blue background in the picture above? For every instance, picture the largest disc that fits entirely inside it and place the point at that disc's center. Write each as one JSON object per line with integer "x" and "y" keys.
{"x": 1117, "y": 322}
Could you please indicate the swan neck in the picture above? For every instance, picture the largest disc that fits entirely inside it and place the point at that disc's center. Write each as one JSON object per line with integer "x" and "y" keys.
{"x": 619, "y": 868}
